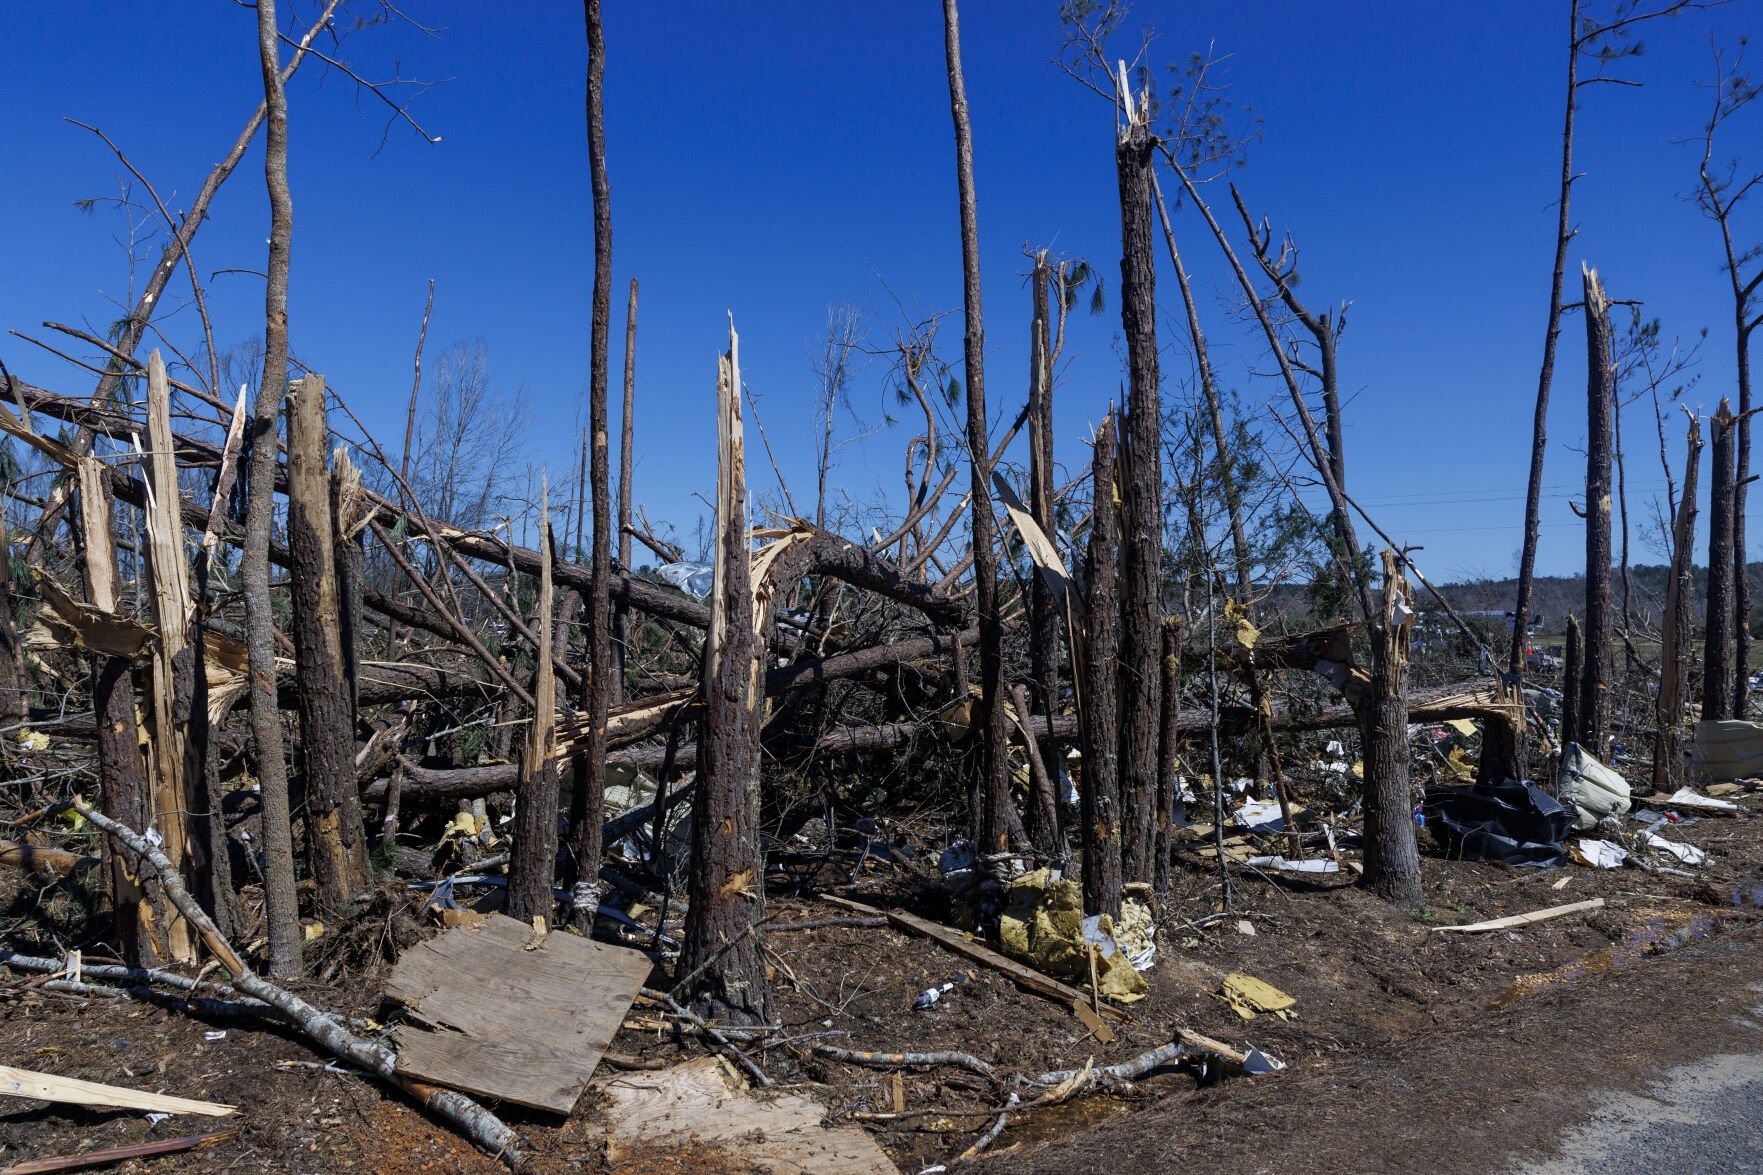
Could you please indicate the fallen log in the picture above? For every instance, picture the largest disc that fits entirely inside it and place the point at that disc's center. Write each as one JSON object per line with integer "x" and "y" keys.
{"x": 324, "y": 1028}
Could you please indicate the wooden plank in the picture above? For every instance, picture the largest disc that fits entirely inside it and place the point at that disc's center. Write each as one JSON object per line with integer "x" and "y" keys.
{"x": 696, "y": 1104}
{"x": 50, "y": 1087}
{"x": 525, "y": 1026}
{"x": 1023, "y": 976}
{"x": 1525, "y": 919}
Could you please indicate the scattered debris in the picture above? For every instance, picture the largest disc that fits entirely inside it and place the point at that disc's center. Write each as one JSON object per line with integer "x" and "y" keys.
{"x": 1248, "y": 997}
{"x": 1282, "y": 864}
{"x": 1024, "y": 977}
{"x": 1728, "y": 749}
{"x": 1518, "y": 823}
{"x": 1599, "y": 854}
{"x": 1591, "y": 789}
{"x": 700, "y": 1105}
{"x": 1687, "y": 797}
{"x": 1043, "y": 923}
{"x": 518, "y": 1018}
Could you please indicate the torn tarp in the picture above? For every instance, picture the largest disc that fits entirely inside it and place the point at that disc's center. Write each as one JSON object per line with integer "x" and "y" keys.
{"x": 1518, "y": 823}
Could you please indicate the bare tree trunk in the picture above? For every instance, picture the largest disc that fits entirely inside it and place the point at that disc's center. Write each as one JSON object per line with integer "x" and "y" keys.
{"x": 1392, "y": 860}
{"x": 335, "y": 839}
{"x": 1100, "y": 795}
{"x": 1594, "y": 686}
{"x": 1533, "y": 500}
{"x": 1676, "y": 640}
{"x": 626, "y": 461}
{"x": 1141, "y": 589}
{"x": 995, "y": 806}
{"x": 1043, "y": 610}
{"x": 1168, "y": 740}
{"x": 1717, "y": 647}
{"x": 140, "y": 921}
{"x": 588, "y": 802}
{"x": 14, "y": 702}
{"x": 727, "y": 891}
{"x": 1239, "y": 536}
{"x": 533, "y": 867}
{"x": 281, "y": 909}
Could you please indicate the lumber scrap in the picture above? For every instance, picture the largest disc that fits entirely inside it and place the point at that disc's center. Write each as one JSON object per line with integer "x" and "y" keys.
{"x": 1534, "y": 916}
{"x": 524, "y": 1026}
{"x": 104, "y": 1156}
{"x": 51, "y": 1087}
{"x": 1020, "y": 974}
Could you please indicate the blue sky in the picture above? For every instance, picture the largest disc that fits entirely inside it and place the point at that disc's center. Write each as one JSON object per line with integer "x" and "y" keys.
{"x": 770, "y": 160}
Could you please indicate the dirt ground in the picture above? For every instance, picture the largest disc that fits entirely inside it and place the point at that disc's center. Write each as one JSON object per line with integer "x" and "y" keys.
{"x": 1408, "y": 1048}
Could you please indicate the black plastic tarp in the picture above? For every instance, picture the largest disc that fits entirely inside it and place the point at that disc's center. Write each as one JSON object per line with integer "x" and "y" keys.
{"x": 1518, "y": 823}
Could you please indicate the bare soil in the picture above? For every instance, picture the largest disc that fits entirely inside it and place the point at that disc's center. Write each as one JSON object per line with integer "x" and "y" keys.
{"x": 1409, "y": 1048}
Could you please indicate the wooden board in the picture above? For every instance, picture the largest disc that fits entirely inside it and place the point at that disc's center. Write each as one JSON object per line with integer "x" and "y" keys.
{"x": 1022, "y": 975}
{"x": 517, "y": 1025}
{"x": 698, "y": 1105}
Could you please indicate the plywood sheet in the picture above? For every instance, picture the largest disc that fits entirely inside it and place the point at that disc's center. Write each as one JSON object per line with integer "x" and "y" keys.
{"x": 513, "y": 1024}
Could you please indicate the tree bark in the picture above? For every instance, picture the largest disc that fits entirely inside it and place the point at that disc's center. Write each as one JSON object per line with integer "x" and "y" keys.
{"x": 14, "y": 699}
{"x": 626, "y": 467}
{"x": 1100, "y": 694}
{"x": 588, "y": 801}
{"x": 1717, "y": 646}
{"x": 727, "y": 884}
{"x": 533, "y": 866}
{"x": 349, "y": 538}
{"x": 995, "y": 806}
{"x": 335, "y": 839}
{"x": 1392, "y": 859}
{"x": 1168, "y": 741}
{"x": 1141, "y": 587}
{"x": 1571, "y": 675}
{"x": 1043, "y": 610}
{"x": 1594, "y": 685}
{"x": 140, "y": 921}
{"x": 281, "y": 910}
{"x": 1676, "y": 639}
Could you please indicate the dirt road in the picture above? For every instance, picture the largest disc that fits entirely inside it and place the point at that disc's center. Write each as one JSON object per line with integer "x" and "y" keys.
{"x": 1657, "y": 1066}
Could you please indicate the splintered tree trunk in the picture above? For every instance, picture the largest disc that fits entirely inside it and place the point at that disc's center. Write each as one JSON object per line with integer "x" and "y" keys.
{"x": 141, "y": 922}
{"x": 533, "y": 867}
{"x": 1741, "y": 488}
{"x": 621, "y": 616}
{"x": 995, "y": 807}
{"x": 1594, "y": 683}
{"x": 1100, "y": 795}
{"x": 1717, "y": 667}
{"x": 1168, "y": 738}
{"x": 588, "y": 802}
{"x": 335, "y": 839}
{"x": 179, "y": 809}
{"x": 1141, "y": 642}
{"x": 1392, "y": 859}
{"x": 1675, "y": 640}
{"x": 1572, "y": 671}
{"x": 281, "y": 909}
{"x": 727, "y": 874}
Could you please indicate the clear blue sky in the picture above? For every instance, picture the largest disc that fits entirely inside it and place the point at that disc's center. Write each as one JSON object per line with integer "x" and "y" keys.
{"x": 772, "y": 159}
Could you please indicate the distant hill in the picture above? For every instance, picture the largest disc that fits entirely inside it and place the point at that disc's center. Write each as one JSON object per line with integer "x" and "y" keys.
{"x": 1555, "y": 596}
